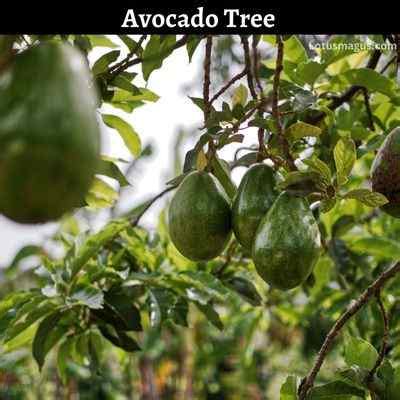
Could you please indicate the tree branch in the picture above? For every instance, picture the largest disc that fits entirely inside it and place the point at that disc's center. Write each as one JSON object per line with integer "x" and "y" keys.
{"x": 116, "y": 69}
{"x": 207, "y": 81}
{"x": 129, "y": 63}
{"x": 284, "y": 145}
{"x": 137, "y": 218}
{"x": 353, "y": 308}
{"x": 247, "y": 61}
{"x": 349, "y": 93}
{"x": 368, "y": 109}
{"x": 228, "y": 85}
{"x": 385, "y": 337}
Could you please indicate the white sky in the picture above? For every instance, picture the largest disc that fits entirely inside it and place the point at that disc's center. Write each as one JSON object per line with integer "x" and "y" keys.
{"x": 156, "y": 123}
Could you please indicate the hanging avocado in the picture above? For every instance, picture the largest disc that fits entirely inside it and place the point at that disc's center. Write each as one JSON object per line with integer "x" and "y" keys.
{"x": 385, "y": 172}
{"x": 49, "y": 135}
{"x": 254, "y": 198}
{"x": 287, "y": 243}
{"x": 200, "y": 217}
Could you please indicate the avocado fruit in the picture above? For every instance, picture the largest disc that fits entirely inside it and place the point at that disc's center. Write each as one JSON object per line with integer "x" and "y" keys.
{"x": 199, "y": 217}
{"x": 49, "y": 134}
{"x": 287, "y": 243}
{"x": 385, "y": 172}
{"x": 255, "y": 196}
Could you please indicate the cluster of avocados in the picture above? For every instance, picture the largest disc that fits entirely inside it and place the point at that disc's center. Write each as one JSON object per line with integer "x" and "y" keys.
{"x": 277, "y": 229}
{"x": 49, "y": 133}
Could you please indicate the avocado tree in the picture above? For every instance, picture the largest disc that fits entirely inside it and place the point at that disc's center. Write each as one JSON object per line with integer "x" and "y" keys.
{"x": 283, "y": 285}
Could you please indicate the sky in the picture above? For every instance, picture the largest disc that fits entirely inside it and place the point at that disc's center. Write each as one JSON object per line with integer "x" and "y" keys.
{"x": 156, "y": 123}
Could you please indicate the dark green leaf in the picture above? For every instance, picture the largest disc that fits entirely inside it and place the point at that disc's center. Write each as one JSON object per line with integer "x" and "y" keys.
{"x": 120, "y": 339}
{"x": 101, "y": 65}
{"x": 245, "y": 289}
{"x": 46, "y": 337}
{"x": 336, "y": 390}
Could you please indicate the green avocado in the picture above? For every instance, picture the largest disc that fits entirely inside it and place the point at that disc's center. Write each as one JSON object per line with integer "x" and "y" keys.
{"x": 199, "y": 217}
{"x": 287, "y": 243}
{"x": 254, "y": 198}
{"x": 49, "y": 134}
{"x": 385, "y": 172}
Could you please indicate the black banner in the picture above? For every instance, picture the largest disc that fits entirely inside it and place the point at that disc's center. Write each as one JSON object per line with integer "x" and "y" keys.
{"x": 134, "y": 17}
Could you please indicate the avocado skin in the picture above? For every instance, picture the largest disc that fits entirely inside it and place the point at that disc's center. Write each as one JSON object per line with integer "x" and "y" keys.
{"x": 385, "y": 172}
{"x": 199, "y": 217}
{"x": 287, "y": 243}
{"x": 49, "y": 134}
{"x": 254, "y": 198}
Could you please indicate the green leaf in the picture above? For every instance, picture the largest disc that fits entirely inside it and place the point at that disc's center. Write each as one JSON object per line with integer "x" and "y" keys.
{"x": 24, "y": 252}
{"x": 336, "y": 390}
{"x": 27, "y": 315}
{"x": 359, "y": 352}
{"x": 131, "y": 44}
{"x": 101, "y": 41}
{"x": 211, "y": 315}
{"x": 222, "y": 174}
{"x": 240, "y": 95}
{"x": 289, "y": 388}
{"x": 370, "y": 79}
{"x": 101, "y": 65}
{"x": 365, "y": 196}
{"x": 156, "y": 50}
{"x": 345, "y": 156}
{"x": 377, "y": 246}
{"x": 309, "y": 71}
{"x": 161, "y": 301}
{"x": 109, "y": 168}
{"x": 119, "y": 339}
{"x": 192, "y": 44}
{"x": 44, "y": 338}
{"x": 124, "y": 83}
{"x": 64, "y": 353}
{"x": 321, "y": 168}
{"x": 294, "y": 51}
{"x": 127, "y": 133}
{"x": 342, "y": 225}
{"x": 101, "y": 194}
{"x": 301, "y": 129}
{"x": 246, "y": 290}
{"x": 327, "y": 204}
{"x": 95, "y": 242}
{"x": 88, "y": 295}
{"x": 123, "y": 306}
{"x": 121, "y": 96}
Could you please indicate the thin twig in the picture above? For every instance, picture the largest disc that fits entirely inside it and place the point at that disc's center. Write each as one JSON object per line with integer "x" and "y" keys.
{"x": 385, "y": 337}
{"x": 353, "y": 308}
{"x": 261, "y": 131}
{"x": 247, "y": 61}
{"x": 228, "y": 85}
{"x": 137, "y": 218}
{"x": 116, "y": 69}
{"x": 388, "y": 64}
{"x": 348, "y": 94}
{"x": 207, "y": 80}
{"x": 126, "y": 64}
{"x": 275, "y": 107}
{"x": 256, "y": 66}
{"x": 368, "y": 109}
